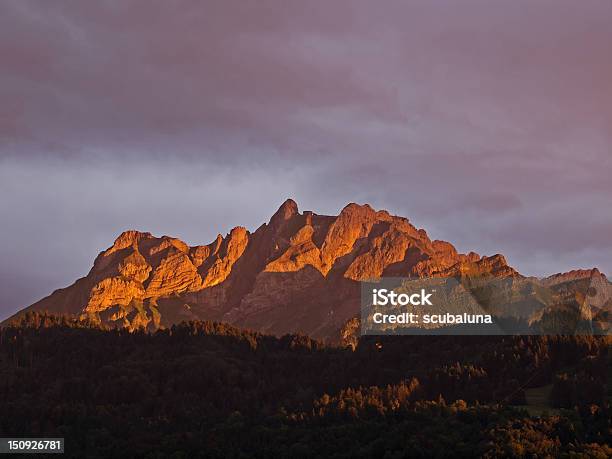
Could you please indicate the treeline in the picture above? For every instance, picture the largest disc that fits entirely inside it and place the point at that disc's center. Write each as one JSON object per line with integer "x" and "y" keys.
{"x": 204, "y": 389}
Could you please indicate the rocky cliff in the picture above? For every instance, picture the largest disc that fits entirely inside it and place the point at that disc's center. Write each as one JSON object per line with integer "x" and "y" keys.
{"x": 299, "y": 272}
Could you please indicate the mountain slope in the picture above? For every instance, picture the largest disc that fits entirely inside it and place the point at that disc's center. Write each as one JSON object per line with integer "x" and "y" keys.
{"x": 298, "y": 272}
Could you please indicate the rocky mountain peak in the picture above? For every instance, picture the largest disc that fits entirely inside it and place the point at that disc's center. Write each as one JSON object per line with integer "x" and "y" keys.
{"x": 127, "y": 239}
{"x": 286, "y": 211}
{"x": 299, "y": 270}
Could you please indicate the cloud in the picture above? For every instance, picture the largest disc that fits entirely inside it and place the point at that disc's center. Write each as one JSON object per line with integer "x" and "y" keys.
{"x": 487, "y": 123}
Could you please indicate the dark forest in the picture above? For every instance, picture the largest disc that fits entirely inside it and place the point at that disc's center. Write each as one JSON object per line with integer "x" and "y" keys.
{"x": 204, "y": 389}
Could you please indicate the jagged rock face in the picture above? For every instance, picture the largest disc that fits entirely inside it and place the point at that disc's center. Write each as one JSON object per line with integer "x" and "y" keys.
{"x": 174, "y": 274}
{"x": 227, "y": 252}
{"x": 299, "y": 272}
{"x": 589, "y": 288}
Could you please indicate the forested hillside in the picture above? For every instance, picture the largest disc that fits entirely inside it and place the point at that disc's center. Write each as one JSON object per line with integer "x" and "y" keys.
{"x": 204, "y": 389}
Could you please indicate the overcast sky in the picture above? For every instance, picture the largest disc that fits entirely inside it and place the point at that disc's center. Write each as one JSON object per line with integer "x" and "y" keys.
{"x": 488, "y": 123}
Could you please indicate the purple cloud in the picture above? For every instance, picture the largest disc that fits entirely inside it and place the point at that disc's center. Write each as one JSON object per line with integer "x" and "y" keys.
{"x": 487, "y": 123}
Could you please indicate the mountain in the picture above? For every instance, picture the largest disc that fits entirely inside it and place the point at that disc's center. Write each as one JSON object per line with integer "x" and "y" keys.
{"x": 298, "y": 272}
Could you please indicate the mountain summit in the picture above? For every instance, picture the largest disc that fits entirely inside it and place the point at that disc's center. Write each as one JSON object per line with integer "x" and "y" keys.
{"x": 299, "y": 272}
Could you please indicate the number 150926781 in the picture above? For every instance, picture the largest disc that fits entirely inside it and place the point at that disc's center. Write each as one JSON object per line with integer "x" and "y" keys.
{"x": 31, "y": 445}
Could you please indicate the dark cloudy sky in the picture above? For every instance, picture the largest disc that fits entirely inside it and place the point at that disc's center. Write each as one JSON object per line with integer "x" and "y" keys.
{"x": 489, "y": 123}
